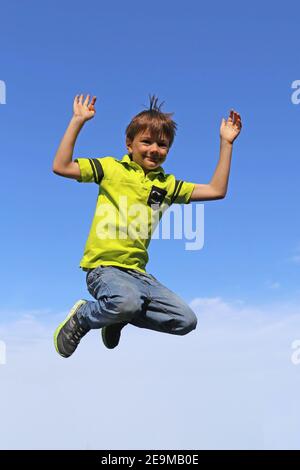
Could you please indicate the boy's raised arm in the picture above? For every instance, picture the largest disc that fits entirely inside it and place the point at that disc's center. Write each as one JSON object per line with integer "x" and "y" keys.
{"x": 82, "y": 112}
{"x": 217, "y": 187}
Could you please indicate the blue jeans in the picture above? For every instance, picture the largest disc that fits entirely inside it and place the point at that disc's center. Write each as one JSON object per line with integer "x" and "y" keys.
{"x": 127, "y": 295}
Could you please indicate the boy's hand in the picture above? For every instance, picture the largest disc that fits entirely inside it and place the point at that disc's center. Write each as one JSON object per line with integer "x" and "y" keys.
{"x": 231, "y": 128}
{"x": 84, "y": 110}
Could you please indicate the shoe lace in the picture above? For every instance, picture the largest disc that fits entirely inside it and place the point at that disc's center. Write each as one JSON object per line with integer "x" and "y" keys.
{"x": 77, "y": 333}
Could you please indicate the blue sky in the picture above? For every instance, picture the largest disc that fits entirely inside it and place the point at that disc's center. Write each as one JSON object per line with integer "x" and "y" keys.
{"x": 201, "y": 59}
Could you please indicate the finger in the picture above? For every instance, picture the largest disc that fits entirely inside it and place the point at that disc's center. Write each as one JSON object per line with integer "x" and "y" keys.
{"x": 91, "y": 105}
{"x": 230, "y": 115}
{"x": 238, "y": 116}
{"x": 238, "y": 125}
{"x": 76, "y": 99}
{"x": 80, "y": 99}
{"x": 235, "y": 117}
{"x": 86, "y": 101}
{"x": 238, "y": 119}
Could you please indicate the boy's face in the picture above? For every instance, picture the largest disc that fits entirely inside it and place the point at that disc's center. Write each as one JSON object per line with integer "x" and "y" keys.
{"x": 148, "y": 152}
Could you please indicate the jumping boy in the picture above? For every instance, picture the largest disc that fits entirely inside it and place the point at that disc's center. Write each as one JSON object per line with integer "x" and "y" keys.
{"x": 115, "y": 254}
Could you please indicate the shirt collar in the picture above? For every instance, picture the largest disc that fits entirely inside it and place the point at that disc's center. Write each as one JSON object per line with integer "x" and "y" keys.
{"x": 127, "y": 159}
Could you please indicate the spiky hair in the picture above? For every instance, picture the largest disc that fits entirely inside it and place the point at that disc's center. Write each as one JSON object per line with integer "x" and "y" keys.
{"x": 155, "y": 120}
{"x": 153, "y": 104}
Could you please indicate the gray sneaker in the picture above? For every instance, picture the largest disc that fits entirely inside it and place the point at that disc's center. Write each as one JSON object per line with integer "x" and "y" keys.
{"x": 68, "y": 334}
{"x": 111, "y": 334}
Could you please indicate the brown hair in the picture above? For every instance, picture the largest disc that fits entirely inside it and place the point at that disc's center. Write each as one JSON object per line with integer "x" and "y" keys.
{"x": 159, "y": 123}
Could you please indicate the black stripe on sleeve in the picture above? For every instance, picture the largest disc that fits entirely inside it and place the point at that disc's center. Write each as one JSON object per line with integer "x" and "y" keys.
{"x": 93, "y": 168}
{"x": 99, "y": 170}
{"x": 178, "y": 185}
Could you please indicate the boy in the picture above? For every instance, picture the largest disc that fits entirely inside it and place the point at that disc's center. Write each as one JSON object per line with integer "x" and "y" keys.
{"x": 115, "y": 254}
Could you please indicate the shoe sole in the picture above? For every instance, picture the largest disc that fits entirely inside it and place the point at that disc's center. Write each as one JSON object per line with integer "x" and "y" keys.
{"x": 103, "y": 339}
{"x": 61, "y": 325}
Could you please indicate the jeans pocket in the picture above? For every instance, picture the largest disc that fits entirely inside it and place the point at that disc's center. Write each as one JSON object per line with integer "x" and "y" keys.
{"x": 93, "y": 274}
{"x": 98, "y": 281}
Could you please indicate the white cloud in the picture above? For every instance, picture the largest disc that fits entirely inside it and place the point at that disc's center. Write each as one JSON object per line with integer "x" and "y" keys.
{"x": 229, "y": 384}
{"x": 296, "y": 257}
{"x": 273, "y": 284}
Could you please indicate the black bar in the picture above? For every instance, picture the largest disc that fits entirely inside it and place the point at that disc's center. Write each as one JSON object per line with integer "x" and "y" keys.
{"x": 136, "y": 458}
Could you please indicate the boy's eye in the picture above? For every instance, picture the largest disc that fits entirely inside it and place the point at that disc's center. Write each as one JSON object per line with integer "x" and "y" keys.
{"x": 161, "y": 144}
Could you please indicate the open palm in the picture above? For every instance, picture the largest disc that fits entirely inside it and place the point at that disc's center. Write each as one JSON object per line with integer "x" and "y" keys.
{"x": 84, "y": 109}
{"x": 231, "y": 128}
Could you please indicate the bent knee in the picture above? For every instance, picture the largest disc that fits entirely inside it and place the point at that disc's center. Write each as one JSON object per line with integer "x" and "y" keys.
{"x": 189, "y": 324}
{"x": 125, "y": 307}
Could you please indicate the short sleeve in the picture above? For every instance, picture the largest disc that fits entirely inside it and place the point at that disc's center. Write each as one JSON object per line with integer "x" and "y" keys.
{"x": 93, "y": 170}
{"x": 182, "y": 192}
{"x": 90, "y": 170}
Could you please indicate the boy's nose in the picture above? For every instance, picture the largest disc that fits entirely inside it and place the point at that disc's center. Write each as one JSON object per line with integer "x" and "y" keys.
{"x": 154, "y": 148}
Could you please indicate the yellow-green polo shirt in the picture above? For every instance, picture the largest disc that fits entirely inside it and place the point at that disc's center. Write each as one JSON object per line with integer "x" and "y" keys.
{"x": 129, "y": 205}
